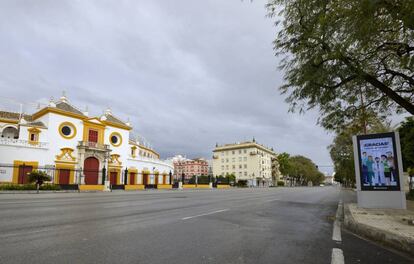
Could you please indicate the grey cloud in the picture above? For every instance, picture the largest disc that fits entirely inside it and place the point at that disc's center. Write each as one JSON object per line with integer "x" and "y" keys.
{"x": 187, "y": 73}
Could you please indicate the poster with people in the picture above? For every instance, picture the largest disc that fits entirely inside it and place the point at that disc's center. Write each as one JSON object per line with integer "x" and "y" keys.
{"x": 378, "y": 162}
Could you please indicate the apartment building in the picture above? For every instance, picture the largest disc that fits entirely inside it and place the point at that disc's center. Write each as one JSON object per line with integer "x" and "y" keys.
{"x": 247, "y": 161}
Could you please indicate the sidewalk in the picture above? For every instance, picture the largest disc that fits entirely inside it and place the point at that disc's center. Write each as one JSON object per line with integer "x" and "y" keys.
{"x": 389, "y": 227}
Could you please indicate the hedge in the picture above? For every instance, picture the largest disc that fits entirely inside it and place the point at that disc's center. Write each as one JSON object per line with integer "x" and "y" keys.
{"x": 28, "y": 187}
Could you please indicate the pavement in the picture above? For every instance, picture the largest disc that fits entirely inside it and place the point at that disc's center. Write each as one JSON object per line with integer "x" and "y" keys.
{"x": 263, "y": 225}
{"x": 391, "y": 227}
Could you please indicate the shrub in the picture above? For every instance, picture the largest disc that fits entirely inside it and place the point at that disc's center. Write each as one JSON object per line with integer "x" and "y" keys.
{"x": 280, "y": 183}
{"x": 410, "y": 195}
{"x": 242, "y": 183}
{"x": 38, "y": 177}
{"x": 28, "y": 187}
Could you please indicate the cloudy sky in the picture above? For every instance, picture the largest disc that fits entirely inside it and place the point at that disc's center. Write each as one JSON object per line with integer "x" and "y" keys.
{"x": 186, "y": 73}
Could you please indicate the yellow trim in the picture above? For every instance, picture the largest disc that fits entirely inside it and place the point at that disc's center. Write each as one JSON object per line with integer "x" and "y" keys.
{"x": 189, "y": 186}
{"x": 118, "y": 173}
{"x": 114, "y": 160}
{"x": 150, "y": 150}
{"x": 119, "y": 137}
{"x": 54, "y": 110}
{"x": 91, "y": 187}
{"x": 164, "y": 186}
{"x": 93, "y": 126}
{"x": 134, "y": 187}
{"x": 9, "y": 121}
{"x": 116, "y": 125}
{"x": 134, "y": 151}
{"x": 36, "y": 132}
{"x": 18, "y": 163}
{"x": 223, "y": 186}
{"x": 66, "y": 152}
{"x": 72, "y": 126}
{"x": 70, "y": 167}
{"x": 203, "y": 186}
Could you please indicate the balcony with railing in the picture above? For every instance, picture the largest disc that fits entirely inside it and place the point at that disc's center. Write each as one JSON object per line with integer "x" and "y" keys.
{"x": 93, "y": 145}
{"x": 23, "y": 143}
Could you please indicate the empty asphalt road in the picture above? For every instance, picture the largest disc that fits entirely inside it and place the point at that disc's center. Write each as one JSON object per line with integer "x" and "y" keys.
{"x": 275, "y": 225}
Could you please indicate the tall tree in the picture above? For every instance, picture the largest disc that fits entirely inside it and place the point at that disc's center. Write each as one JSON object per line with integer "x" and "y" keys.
{"x": 304, "y": 170}
{"x": 284, "y": 163}
{"x": 344, "y": 56}
{"x": 406, "y": 131}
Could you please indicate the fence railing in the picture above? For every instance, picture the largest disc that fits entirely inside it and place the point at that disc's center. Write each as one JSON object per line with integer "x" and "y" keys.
{"x": 95, "y": 145}
{"x": 22, "y": 143}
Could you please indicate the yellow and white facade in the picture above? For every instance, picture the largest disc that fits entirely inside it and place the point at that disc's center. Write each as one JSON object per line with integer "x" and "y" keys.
{"x": 77, "y": 147}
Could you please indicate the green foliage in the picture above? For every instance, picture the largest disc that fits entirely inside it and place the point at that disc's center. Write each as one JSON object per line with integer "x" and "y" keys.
{"x": 406, "y": 131}
{"x": 280, "y": 183}
{"x": 242, "y": 183}
{"x": 38, "y": 177}
{"x": 202, "y": 179}
{"x": 346, "y": 56}
{"x": 410, "y": 195}
{"x": 284, "y": 163}
{"x": 304, "y": 171}
{"x": 28, "y": 187}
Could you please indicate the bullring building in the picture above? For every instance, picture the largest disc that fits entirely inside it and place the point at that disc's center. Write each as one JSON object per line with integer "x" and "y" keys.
{"x": 76, "y": 148}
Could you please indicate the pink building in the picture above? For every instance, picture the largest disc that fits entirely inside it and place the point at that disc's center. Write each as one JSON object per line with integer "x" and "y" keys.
{"x": 190, "y": 168}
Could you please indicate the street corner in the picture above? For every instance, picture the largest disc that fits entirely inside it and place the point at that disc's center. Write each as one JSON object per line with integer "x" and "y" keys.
{"x": 389, "y": 227}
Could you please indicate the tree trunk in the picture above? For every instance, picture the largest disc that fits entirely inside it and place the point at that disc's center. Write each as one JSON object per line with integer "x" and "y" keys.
{"x": 37, "y": 187}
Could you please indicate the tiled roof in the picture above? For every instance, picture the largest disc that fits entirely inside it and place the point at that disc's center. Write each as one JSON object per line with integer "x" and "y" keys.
{"x": 14, "y": 116}
{"x": 112, "y": 119}
{"x": 36, "y": 123}
{"x": 68, "y": 108}
{"x": 9, "y": 115}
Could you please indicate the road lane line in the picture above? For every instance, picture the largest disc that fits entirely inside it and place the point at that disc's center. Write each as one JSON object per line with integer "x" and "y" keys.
{"x": 209, "y": 213}
{"x": 336, "y": 234}
{"x": 337, "y": 256}
{"x": 272, "y": 200}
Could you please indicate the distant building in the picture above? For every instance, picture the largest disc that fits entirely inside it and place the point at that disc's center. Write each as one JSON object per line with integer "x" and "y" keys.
{"x": 247, "y": 161}
{"x": 188, "y": 167}
{"x": 329, "y": 179}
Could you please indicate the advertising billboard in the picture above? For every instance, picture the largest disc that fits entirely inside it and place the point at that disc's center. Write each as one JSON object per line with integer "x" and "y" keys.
{"x": 378, "y": 162}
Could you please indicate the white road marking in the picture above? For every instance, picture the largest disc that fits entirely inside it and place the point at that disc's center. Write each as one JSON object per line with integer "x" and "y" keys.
{"x": 26, "y": 233}
{"x": 210, "y": 213}
{"x": 337, "y": 256}
{"x": 272, "y": 200}
{"x": 336, "y": 234}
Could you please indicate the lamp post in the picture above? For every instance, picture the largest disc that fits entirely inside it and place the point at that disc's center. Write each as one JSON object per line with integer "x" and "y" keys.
{"x": 126, "y": 176}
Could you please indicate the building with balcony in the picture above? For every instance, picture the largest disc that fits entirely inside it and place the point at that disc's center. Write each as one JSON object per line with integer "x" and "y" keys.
{"x": 188, "y": 167}
{"x": 77, "y": 148}
{"x": 249, "y": 161}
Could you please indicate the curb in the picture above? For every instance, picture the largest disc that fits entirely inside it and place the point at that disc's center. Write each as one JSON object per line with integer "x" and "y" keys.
{"x": 375, "y": 234}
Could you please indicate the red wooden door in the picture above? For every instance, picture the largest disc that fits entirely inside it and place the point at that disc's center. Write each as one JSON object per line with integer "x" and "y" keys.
{"x": 91, "y": 170}
{"x": 145, "y": 179}
{"x": 93, "y": 136}
{"x": 132, "y": 178}
{"x": 23, "y": 171}
{"x": 113, "y": 177}
{"x": 64, "y": 176}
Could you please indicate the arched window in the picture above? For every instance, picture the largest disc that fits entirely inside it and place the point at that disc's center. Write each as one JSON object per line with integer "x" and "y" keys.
{"x": 10, "y": 132}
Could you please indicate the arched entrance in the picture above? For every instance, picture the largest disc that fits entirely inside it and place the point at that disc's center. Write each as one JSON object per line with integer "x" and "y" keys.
{"x": 91, "y": 170}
